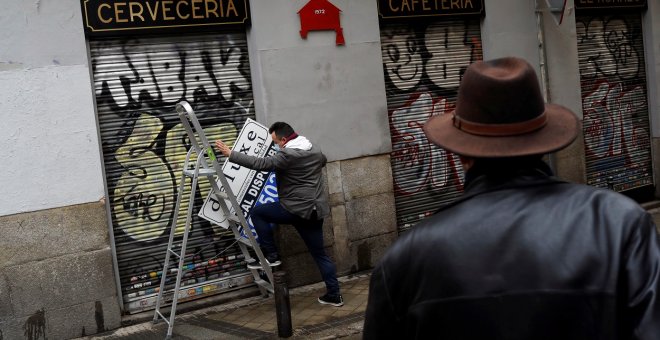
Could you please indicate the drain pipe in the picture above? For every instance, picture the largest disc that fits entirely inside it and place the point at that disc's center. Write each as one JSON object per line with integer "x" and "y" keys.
{"x": 545, "y": 84}
{"x": 542, "y": 58}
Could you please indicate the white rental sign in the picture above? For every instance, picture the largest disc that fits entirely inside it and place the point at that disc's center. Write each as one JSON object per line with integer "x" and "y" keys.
{"x": 251, "y": 187}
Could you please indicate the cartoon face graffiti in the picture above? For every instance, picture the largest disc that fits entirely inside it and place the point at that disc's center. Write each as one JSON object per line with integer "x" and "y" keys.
{"x": 402, "y": 59}
{"x": 616, "y": 120}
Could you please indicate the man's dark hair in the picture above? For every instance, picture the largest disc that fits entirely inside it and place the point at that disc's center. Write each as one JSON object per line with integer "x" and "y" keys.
{"x": 506, "y": 166}
{"x": 281, "y": 129}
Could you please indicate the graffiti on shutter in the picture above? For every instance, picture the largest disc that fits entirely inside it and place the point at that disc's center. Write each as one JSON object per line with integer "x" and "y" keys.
{"x": 614, "y": 103}
{"x": 423, "y": 65}
{"x": 137, "y": 83}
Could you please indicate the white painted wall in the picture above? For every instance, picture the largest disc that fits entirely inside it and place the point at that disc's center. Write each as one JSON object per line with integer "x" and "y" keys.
{"x": 335, "y": 95}
{"x": 49, "y": 147}
{"x": 509, "y": 29}
{"x": 562, "y": 60}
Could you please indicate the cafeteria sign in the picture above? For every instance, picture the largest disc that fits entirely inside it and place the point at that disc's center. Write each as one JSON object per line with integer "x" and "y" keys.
{"x": 398, "y": 9}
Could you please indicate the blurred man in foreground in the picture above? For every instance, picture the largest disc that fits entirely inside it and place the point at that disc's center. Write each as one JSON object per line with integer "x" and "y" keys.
{"x": 521, "y": 255}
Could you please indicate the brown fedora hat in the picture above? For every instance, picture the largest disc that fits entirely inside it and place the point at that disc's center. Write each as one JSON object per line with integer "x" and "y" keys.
{"x": 500, "y": 113}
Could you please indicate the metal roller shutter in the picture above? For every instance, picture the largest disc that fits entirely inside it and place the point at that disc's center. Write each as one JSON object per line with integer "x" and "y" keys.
{"x": 614, "y": 101}
{"x": 423, "y": 64}
{"x": 137, "y": 82}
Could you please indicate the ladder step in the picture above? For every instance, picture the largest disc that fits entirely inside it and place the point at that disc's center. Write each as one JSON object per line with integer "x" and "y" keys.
{"x": 245, "y": 241}
{"x": 265, "y": 284}
{"x": 163, "y": 317}
{"x": 174, "y": 253}
{"x": 221, "y": 194}
{"x": 234, "y": 218}
{"x": 201, "y": 172}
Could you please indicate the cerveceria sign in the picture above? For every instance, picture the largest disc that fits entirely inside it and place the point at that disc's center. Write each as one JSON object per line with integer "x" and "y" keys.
{"x": 396, "y": 9}
{"x": 598, "y": 4}
{"x": 130, "y": 16}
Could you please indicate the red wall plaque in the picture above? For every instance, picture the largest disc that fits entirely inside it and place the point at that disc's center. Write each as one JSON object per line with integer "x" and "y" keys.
{"x": 318, "y": 15}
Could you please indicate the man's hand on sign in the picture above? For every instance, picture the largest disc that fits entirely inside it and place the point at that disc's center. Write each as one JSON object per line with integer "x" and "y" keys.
{"x": 222, "y": 147}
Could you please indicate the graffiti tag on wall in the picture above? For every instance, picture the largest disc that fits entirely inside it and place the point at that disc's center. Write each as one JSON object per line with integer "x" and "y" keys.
{"x": 137, "y": 83}
{"x": 423, "y": 65}
{"x": 616, "y": 123}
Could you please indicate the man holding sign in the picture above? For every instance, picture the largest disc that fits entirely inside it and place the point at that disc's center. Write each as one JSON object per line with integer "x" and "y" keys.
{"x": 302, "y": 200}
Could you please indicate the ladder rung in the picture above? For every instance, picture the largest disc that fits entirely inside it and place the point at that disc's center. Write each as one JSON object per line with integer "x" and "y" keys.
{"x": 245, "y": 241}
{"x": 163, "y": 317}
{"x": 174, "y": 253}
{"x": 234, "y": 218}
{"x": 201, "y": 172}
{"x": 221, "y": 194}
{"x": 265, "y": 284}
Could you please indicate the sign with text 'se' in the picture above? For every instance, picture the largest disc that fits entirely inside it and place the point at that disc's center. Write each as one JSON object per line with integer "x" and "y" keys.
{"x": 251, "y": 187}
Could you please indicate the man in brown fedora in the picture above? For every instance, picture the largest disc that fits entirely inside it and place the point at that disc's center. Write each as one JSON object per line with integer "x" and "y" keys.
{"x": 521, "y": 255}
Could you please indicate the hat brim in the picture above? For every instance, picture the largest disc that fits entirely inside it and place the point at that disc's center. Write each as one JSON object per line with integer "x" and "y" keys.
{"x": 560, "y": 130}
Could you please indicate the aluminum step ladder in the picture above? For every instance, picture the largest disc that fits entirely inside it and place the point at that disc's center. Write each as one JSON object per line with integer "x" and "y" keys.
{"x": 228, "y": 203}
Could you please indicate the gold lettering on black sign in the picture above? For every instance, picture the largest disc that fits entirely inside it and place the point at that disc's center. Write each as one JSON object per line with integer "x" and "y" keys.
{"x": 428, "y": 5}
{"x": 417, "y": 8}
{"x": 116, "y": 15}
{"x": 132, "y": 11}
{"x": 607, "y": 1}
{"x": 595, "y": 4}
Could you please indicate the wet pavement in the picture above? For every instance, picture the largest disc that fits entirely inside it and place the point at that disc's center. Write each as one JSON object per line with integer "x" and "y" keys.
{"x": 255, "y": 317}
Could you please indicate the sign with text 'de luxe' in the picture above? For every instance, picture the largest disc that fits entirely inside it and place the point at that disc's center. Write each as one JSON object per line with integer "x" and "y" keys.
{"x": 119, "y": 17}
{"x": 251, "y": 187}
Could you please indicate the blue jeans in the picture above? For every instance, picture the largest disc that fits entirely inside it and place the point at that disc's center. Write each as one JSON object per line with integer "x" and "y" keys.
{"x": 311, "y": 231}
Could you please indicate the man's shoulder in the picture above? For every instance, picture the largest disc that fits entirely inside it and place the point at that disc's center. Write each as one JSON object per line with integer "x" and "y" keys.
{"x": 421, "y": 235}
{"x": 573, "y": 200}
{"x": 552, "y": 189}
{"x": 602, "y": 195}
{"x": 292, "y": 152}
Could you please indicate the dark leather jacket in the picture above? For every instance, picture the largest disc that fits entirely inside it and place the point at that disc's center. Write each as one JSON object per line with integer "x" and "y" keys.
{"x": 528, "y": 257}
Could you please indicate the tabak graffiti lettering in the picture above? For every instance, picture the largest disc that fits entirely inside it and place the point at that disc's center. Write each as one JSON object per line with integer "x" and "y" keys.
{"x": 423, "y": 65}
{"x": 137, "y": 83}
{"x": 616, "y": 123}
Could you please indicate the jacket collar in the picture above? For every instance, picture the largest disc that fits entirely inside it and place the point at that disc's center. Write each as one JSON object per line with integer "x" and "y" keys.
{"x": 478, "y": 182}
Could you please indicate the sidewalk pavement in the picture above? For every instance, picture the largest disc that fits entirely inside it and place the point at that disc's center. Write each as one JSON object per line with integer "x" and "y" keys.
{"x": 255, "y": 318}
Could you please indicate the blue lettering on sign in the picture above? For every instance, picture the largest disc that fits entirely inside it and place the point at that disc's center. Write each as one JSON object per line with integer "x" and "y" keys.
{"x": 268, "y": 195}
